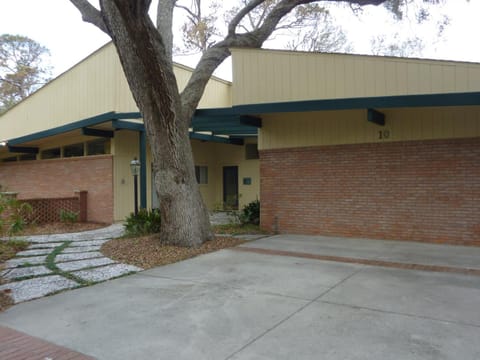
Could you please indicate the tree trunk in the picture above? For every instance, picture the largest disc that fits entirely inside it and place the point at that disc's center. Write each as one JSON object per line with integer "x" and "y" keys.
{"x": 149, "y": 72}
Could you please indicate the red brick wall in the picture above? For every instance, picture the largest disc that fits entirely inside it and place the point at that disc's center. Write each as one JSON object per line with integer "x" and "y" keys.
{"x": 416, "y": 190}
{"x": 59, "y": 178}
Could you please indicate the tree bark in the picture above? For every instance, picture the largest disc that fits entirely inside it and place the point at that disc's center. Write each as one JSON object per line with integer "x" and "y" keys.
{"x": 148, "y": 70}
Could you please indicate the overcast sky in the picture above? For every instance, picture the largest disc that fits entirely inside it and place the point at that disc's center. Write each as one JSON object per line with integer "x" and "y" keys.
{"x": 57, "y": 25}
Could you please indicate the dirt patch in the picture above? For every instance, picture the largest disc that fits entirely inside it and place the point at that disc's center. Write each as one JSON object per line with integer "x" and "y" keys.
{"x": 147, "y": 252}
{"x": 59, "y": 228}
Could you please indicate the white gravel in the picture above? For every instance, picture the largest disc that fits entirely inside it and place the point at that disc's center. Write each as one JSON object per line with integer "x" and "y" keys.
{"x": 34, "y": 288}
{"x": 26, "y": 271}
{"x": 106, "y": 272}
{"x": 81, "y": 249}
{"x": 77, "y": 256}
{"x": 34, "y": 252}
{"x": 82, "y": 264}
{"x": 33, "y": 260}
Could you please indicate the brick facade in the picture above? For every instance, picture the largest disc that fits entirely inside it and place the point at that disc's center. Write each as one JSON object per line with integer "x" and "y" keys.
{"x": 60, "y": 178}
{"x": 413, "y": 190}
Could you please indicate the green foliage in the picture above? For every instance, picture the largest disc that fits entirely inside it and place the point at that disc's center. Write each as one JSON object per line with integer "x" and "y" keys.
{"x": 13, "y": 214}
{"x": 250, "y": 213}
{"x": 68, "y": 216}
{"x": 146, "y": 222}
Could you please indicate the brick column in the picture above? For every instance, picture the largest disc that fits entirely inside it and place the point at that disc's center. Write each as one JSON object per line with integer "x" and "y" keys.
{"x": 82, "y": 198}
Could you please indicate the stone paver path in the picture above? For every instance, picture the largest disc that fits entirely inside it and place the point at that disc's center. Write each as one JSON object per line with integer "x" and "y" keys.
{"x": 59, "y": 262}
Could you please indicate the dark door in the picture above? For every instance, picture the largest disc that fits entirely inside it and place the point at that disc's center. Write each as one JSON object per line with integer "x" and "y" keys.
{"x": 230, "y": 187}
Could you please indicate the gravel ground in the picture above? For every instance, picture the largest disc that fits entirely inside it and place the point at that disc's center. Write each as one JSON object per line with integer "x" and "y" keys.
{"x": 147, "y": 252}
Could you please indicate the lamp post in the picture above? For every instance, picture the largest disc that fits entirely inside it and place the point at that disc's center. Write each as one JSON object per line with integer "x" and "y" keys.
{"x": 135, "y": 169}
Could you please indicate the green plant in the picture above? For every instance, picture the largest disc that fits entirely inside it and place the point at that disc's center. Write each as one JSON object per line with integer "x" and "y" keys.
{"x": 144, "y": 223}
{"x": 68, "y": 216}
{"x": 250, "y": 213}
{"x": 13, "y": 214}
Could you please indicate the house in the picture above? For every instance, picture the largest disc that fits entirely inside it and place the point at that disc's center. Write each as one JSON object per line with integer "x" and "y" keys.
{"x": 80, "y": 132}
{"x": 349, "y": 145}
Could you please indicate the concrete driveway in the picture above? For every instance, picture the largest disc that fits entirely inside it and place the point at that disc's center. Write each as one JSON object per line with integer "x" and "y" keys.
{"x": 247, "y": 305}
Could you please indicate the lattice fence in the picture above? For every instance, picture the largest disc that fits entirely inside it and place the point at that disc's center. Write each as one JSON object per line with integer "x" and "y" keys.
{"x": 48, "y": 210}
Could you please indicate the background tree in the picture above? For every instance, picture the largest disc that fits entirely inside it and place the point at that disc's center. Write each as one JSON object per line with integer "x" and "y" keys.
{"x": 145, "y": 52}
{"x": 22, "y": 68}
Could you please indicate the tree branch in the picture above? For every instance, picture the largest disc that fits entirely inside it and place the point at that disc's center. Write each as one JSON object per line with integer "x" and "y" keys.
{"x": 216, "y": 54}
{"x": 164, "y": 24}
{"x": 90, "y": 14}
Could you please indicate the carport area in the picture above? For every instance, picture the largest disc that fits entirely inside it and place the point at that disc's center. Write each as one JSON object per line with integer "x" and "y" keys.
{"x": 276, "y": 298}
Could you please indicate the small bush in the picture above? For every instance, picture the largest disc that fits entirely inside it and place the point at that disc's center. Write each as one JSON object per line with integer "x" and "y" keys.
{"x": 250, "y": 213}
{"x": 146, "y": 222}
{"x": 68, "y": 216}
{"x": 13, "y": 214}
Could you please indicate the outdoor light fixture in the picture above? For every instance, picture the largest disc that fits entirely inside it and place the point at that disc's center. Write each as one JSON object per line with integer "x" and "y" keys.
{"x": 135, "y": 169}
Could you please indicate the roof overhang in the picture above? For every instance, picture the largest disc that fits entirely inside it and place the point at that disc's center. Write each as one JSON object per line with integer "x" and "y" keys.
{"x": 231, "y": 125}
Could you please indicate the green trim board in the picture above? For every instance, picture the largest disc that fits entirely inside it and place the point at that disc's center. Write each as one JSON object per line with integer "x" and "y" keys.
{"x": 376, "y": 117}
{"x": 94, "y": 120}
{"x": 143, "y": 169}
{"x": 97, "y": 132}
{"x": 400, "y": 101}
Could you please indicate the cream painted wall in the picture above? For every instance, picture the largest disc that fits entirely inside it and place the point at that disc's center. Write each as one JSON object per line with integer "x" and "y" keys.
{"x": 213, "y": 155}
{"x": 351, "y": 126}
{"x": 263, "y": 76}
{"x": 124, "y": 148}
{"x": 94, "y": 86}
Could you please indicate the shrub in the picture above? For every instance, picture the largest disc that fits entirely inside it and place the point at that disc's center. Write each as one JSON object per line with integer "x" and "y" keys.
{"x": 250, "y": 213}
{"x": 13, "y": 214}
{"x": 144, "y": 223}
{"x": 68, "y": 216}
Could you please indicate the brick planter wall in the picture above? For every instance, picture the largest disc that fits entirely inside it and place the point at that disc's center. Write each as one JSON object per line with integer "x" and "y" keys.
{"x": 60, "y": 178}
{"x": 416, "y": 190}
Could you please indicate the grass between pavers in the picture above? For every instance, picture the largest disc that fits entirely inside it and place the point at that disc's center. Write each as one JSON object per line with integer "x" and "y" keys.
{"x": 50, "y": 264}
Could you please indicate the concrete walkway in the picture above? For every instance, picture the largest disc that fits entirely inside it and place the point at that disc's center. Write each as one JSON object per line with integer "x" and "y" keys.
{"x": 59, "y": 262}
{"x": 244, "y": 305}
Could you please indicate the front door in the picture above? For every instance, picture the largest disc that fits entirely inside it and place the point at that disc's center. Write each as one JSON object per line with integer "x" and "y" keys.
{"x": 230, "y": 187}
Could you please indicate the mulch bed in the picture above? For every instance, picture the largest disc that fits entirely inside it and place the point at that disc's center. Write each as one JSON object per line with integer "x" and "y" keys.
{"x": 148, "y": 251}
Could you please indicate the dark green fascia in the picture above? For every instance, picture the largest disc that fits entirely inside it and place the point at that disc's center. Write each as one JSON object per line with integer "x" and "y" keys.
{"x": 128, "y": 115}
{"x": 126, "y": 125}
{"x": 213, "y": 138}
{"x": 95, "y": 120}
{"x": 142, "y": 141}
{"x": 401, "y": 101}
{"x": 376, "y": 117}
{"x": 251, "y": 121}
{"x": 241, "y": 131}
{"x": 208, "y": 113}
{"x": 225, "y": 128}
{"x": 23, "y": 149}
{"x": 97, "y": 132}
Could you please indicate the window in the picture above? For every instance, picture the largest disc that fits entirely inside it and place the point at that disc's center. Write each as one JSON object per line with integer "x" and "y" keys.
{"x": 98, "y": 147}
{"x": 51, "y": 153}
{"x": 25, "y": 157}
{"x": 201, "y": 173}
{"x": 251, "y": 151}
{"x": 73, "y": 150}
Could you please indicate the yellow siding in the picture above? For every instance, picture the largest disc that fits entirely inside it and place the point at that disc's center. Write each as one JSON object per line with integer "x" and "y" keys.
{"x": 216, "y": 156}
{"x": 213, "y": 155}
{"x": 263, "y": 76}
{"x": 94, "y": 86}
{"x": 352, "y": 127}
{"x": 122, "y": 178}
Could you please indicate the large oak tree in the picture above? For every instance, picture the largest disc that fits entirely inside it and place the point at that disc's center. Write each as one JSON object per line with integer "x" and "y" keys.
{"x": 145, "y": 52}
